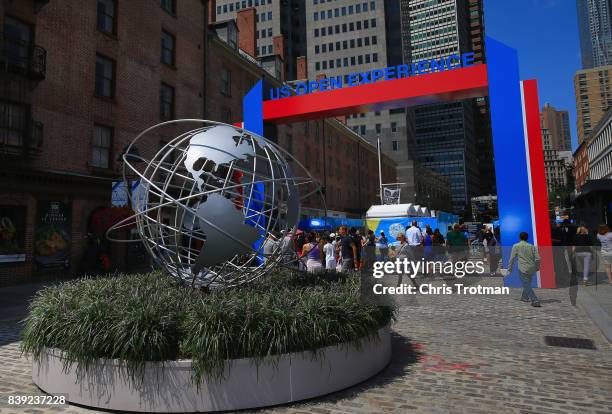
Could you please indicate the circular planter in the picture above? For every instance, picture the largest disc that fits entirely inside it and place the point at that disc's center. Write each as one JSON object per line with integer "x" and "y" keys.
{"x": 168, "y": 387}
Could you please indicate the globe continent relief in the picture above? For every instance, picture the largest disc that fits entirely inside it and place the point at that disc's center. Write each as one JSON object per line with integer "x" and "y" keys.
{"x": 218, "y": 217}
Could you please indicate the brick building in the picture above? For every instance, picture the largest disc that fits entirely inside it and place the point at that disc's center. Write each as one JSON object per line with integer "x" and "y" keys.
{"x": 593, "y": 98}
{"x": 581, "y": 164}
{"x": 557, "y": 124}
{"x": 79, "y": 79}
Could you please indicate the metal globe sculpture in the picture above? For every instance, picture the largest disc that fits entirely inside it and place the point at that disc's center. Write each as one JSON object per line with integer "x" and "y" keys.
{"x": 215, "y": 203}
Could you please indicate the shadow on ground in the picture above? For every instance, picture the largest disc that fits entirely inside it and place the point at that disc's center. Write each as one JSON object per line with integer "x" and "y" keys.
{"x": 10, "y": 333}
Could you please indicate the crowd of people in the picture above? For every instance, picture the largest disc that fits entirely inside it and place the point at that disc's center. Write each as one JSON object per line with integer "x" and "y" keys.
{"x": 355, "y": 249}
{"x": 352, "y": 249}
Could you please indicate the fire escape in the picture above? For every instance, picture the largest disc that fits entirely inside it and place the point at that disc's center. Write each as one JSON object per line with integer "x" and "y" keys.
{"x": 22, "y": 67}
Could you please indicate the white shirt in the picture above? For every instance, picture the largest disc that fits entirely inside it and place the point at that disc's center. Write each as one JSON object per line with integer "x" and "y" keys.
{"x": 329, "y": 252}
{"x": 606, "y": 242}
{"x": 330, "y": 256}
{"x": 269, "y": 246}
{"x": 414, "y": 236}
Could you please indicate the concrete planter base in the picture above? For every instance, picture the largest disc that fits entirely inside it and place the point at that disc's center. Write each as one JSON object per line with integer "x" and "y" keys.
{"x": 169, "y": 388}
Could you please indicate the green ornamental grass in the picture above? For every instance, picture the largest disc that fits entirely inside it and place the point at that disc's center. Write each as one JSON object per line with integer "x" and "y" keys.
{"x": 149, "y": 317}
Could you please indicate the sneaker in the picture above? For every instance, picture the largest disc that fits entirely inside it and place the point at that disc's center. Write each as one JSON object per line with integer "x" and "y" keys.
{"x": 525, "y": 300}
{"x": 536, "y": 304}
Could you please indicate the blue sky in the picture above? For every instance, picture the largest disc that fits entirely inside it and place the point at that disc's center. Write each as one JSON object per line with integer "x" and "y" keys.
{"x": 545, "y": 33}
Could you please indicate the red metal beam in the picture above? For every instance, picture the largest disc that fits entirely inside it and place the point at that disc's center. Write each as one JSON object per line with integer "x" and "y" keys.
{"x": 538, "y": 183}
{"x": 463, "y": 83}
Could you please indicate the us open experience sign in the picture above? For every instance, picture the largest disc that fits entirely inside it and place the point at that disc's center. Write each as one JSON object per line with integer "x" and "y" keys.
{"x": 515, "y": 123}
{"x": 370, "y": 76}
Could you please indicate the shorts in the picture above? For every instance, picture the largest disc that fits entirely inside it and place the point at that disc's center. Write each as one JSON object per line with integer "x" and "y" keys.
{"x": 347, "y": 265}
{"x": 606, "y": 258}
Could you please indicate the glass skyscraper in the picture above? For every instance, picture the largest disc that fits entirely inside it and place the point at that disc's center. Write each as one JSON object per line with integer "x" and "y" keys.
{"x": 444, "y": 133}
{"x": 595, "y": 29}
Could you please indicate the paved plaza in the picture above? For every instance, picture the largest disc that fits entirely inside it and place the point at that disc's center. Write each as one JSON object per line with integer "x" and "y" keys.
{"x": 451, "y": 354}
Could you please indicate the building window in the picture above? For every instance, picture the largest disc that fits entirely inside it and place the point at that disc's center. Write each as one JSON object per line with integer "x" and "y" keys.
{"x": 378, "y": 128}
{"x": 169, "y": 6}
{"x": 167, "y": 48}
{"x": 101, "y": 146}
{"x": 226, "y": 82}
{"x": 107, "y": 15}
{"x": 105, "y": 77}
{"x": 393, "y": 126}
{"x": 166, "y": 101}
{"x": 12, "y": 123}
{"x": 16, "y": 50}
{"x": 395, "y": 145}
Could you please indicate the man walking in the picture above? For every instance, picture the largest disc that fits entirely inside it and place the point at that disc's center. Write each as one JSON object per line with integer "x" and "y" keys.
{"x": 528, "y": 263}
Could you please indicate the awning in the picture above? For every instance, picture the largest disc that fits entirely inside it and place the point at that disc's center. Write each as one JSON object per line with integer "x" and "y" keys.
{"x": 394, "y": 210}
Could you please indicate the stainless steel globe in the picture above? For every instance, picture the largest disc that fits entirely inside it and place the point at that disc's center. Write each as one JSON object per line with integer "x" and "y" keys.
{"x": 216, "y": 203}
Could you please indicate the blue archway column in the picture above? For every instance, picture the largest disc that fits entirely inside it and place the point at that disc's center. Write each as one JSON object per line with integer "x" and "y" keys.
{"x": 252, "y": 105}
{"x": 509, "y": 148}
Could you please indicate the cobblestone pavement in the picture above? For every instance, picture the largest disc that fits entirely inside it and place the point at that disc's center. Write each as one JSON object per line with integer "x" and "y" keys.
{"x": 451, "y": 354}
